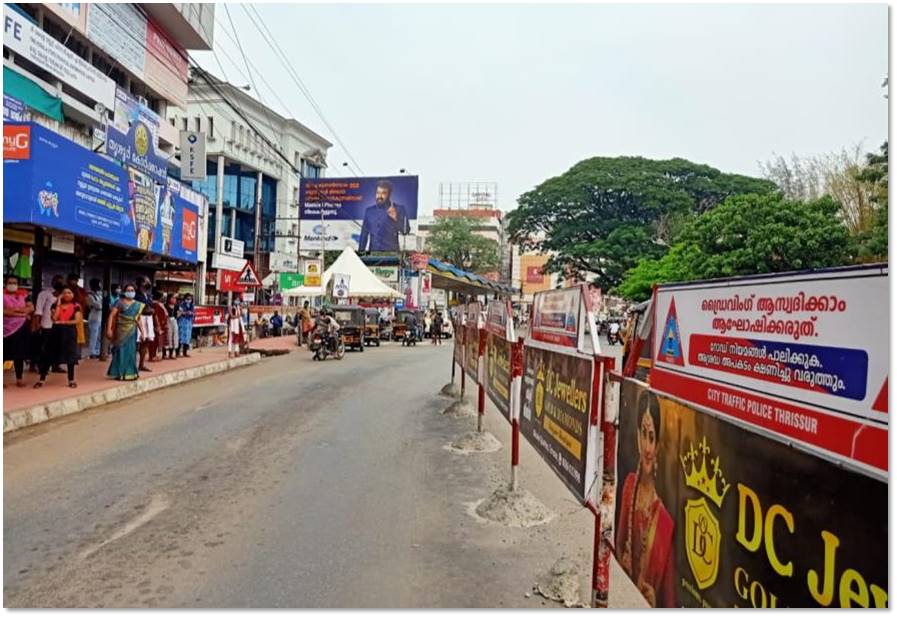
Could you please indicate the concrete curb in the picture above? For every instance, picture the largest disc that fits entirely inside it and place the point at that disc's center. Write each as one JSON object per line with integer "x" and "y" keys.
{"x": 29, "y": 416}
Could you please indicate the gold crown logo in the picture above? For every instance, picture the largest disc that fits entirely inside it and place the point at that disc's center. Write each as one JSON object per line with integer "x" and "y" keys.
{"x": 699, "y": 478}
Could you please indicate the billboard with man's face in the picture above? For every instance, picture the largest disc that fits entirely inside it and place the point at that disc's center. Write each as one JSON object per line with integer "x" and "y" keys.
{"x": 368, "y": 214}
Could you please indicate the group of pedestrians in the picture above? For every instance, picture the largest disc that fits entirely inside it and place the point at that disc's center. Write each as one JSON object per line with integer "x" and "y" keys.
{"x": 137, "y": 322}
{"x": 434, "y": 323}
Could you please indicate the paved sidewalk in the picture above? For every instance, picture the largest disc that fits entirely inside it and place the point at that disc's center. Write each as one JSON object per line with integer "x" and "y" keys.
{"x": 27, "y": 406}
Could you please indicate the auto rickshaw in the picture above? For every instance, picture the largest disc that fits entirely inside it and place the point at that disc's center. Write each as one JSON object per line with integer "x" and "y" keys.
{"x": 372, "y": 327}
{"x": 351, "y": 325}
{"x": 400, "y": 326}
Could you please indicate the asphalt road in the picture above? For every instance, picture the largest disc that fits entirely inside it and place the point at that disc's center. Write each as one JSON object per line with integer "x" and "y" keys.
{"x": 289, "y": 483}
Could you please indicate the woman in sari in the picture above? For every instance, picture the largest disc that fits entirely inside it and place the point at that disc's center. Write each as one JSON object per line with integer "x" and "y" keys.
{"x": 644, "y": 543}
{"x": 124, "y": 325}
{"x": 186, "y": 313}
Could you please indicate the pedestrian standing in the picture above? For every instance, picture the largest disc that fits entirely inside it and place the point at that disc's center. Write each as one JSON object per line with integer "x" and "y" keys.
{"x": 48, "y": 349}
{"x": 17, "y": 310}
{"x": 186, "y": 313}
{"x": 109, "y": 301}
{"x": 160, "y": 322}
{"x": 94, "y": 317}
{"x": 437, "y": 329}
{"x": 276, "y": 324}
{"x": 171, "y": 339}
{"x": 123, "y": 329}
{"x": 67, "y": 318}
{"x": 307, "y": 323}
{"x": 235, "y": 333}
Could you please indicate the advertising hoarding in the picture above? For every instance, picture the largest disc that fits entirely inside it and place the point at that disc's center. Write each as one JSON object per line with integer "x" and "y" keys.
{"x": 800, "y": 356}
{"x": 313, "y": 273}
{"x": 734, "y": 518}
{"x": 133, "y": 137}
{"x": 499, "y": 339}
{"x": 63, "y": 186}
{"x": 557, "y": 316}
{"x": 556, "y": 415}
{"x": 166, "y": 67}
{"x": 120, "y": 31}
{"x": 29, "y": 41}
{"x": 472, "y": 340}
{"x": 289, "y": 280}
{"x": 368, "y": 214}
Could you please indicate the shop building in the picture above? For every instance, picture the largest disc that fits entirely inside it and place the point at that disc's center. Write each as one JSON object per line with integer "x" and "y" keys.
{"x": 87, "y": 160}
{"x": 252, "y": 188}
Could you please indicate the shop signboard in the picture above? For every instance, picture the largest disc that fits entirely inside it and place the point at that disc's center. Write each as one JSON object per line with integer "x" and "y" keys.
{"x": 801, "y": 357}
{"x": 313, "y": 273}
{"x": 419, "y": 261}
{"x": 193, "y": 155}
{"x": 738, "y": 519}
{"x": 341, "y": 286}
{"x": 27, "y": 40}
{"x": 133, "y": 137}
{"x": 387, "y": 274}
{"x": 472, "y": 340}
{"x": 368, "y": 214}
{"x": 120, "y": 31}
{"x": 63, "y": 186}
{"x": 14, "y": 110}
{"x": 73, "y": 13}
{"x": 499, "y": 340}
{"x": 289, "y": 280}
{"x": 206, "y": 316}
{"x": 166, "y": 68}
{"x": 556, "y": 415}
{"x": 229, "y": 280}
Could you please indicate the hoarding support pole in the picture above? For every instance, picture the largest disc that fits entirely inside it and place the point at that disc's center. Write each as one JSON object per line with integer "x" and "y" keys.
{"x": 453, "y": 369}
{"x": 604, "y": 512}
{"x": 515, "y": 452}
{"x": 481, "y": 378}
{"x": 516, "y": 379}
{"x": 481, "y": 407}
{"x": 462, "y": 383}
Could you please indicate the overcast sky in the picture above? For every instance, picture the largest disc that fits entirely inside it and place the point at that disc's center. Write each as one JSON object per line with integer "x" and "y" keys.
{"x": 518, "y": 94}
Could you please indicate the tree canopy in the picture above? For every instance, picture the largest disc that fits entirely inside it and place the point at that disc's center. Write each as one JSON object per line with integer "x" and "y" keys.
{"x": 605, "y": 214}
{"x": 453, "y": 240}
{"x": 748, "y": 234}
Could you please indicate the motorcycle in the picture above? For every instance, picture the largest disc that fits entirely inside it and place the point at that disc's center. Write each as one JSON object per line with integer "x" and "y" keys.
{"x": 410, "y": 337}
{"x": 322, "y": 346}
{"x": 613, "y": 338}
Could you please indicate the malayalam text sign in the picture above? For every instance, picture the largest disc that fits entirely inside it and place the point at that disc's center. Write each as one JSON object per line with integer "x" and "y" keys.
{"x": 803, "y": 356}
{"x": 735, "y": 518}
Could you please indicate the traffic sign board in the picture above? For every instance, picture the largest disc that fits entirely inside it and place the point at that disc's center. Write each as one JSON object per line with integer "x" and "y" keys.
{"x": 249, "y": 277}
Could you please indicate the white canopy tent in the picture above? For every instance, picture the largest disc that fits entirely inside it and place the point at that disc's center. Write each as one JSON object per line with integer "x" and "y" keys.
{"x": 362, "y": 282}
{"x": 302, "y": 291}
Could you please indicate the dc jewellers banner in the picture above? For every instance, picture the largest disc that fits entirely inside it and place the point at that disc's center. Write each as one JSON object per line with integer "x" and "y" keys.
{"x": 499, "y": 334}
{"x": 556, "y": 414}
{"x": 801, "y": 357}
{"x": 472, "y": 340}
{"x": 711, "y": 514}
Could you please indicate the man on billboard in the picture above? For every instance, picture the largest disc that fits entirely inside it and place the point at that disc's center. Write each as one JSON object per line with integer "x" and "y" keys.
{"x": 383, "y": 222}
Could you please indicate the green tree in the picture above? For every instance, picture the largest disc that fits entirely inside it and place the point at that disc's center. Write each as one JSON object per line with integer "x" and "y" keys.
{"x": 605, "y": 214}
{"x": 872, "y": 245}
{"x": 748, "y": 234}
{"x": 453, "y": 240}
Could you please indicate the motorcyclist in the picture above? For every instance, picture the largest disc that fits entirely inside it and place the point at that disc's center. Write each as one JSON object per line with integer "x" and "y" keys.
{"x": 413, "y": 326}
{"x": 331, "y": 328}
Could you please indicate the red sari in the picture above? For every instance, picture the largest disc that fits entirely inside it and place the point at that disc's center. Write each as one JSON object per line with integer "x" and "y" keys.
{"x": 644, "y": 545}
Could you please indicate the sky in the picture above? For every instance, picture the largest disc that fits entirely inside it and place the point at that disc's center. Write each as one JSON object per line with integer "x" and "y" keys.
{"x": 517, "y": 94}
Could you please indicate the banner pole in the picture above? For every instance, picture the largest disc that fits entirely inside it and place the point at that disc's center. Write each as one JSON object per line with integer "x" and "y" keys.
{"x": 516, "y": 378}
{"x": 481, "y": 374}
{"x": 605, "y": 510}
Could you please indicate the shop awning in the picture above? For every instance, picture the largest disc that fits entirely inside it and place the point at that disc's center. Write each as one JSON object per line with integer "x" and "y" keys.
{"x": 20, "y": 87}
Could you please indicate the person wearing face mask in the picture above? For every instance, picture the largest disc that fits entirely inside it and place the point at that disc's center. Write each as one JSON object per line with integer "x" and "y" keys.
{"x": 109, "y": 301}
{"x": 17, "y": 308}
{"x": 43, "y": 315}
{"x": 67, "y": 317}
{"x": 235, "y": 333}
{"x": 123, "y": 329}
{"x": 171, "y": 346}
{"x": 146, "y": 340}
{"x": 94, "y": 317}
{"x": 186, "y": 313}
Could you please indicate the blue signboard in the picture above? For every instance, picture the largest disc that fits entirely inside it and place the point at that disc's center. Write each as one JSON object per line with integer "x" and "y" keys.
{"x": 58, "y": 184}
{"x": 14, "y": 109}
{"x": 368, "y": 214}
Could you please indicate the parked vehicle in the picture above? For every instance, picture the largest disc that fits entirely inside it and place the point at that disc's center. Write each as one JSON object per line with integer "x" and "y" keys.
{"x": 372, "y": 327}
{"x": 410, "y": 338}
{"x": 351, "y": 323}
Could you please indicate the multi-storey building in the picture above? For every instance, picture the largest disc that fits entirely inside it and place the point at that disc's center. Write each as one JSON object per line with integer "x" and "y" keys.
{"x": 255, "y": 159}
{"x": 87, "y": 156}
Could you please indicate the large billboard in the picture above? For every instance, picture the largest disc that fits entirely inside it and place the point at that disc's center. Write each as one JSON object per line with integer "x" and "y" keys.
{"x": 51, "y": 181}
{"x": 709, "y": 514}
{"x": 803, "y": 357}
{"x": 368, "y": 214}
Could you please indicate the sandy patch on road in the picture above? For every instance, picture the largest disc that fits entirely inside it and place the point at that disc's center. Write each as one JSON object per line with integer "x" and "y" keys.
{"x": 460, "y": 409}
{"x": 474, "y": 442}
{"x": 518, "y": 508}
{"x": 561, "y": 583}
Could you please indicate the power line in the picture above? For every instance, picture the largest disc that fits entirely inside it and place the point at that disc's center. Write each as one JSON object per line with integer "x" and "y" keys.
{"x": 291, "y": 71}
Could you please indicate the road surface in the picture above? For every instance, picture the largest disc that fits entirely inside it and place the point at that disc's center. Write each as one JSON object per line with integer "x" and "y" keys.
{"x": 289, "y": 483}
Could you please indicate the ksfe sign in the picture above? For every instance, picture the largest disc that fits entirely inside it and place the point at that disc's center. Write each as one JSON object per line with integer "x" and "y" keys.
{"x": 801, "y": 357}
